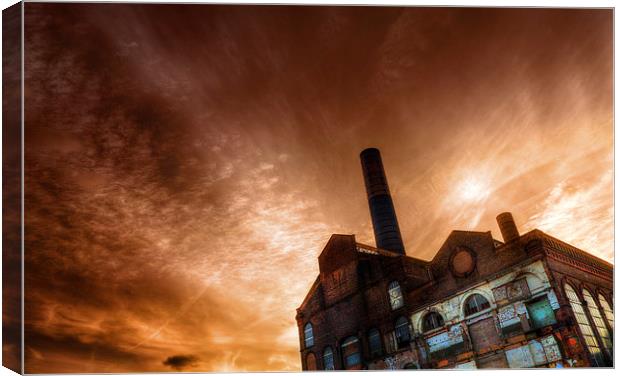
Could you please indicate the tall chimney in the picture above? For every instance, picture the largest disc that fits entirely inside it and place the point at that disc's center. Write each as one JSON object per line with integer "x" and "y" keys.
{"x": 508, "y": 227}
{"x": 387, "y": 233}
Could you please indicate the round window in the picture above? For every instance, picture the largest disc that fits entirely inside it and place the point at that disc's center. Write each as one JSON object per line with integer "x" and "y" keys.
{"x": 462, "y": 262}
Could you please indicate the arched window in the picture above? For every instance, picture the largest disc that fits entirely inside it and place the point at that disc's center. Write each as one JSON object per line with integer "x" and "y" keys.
{"x": 432, "y": 320}
{"x": 308, "y": 335}
{"x": 476, "y": 303}
{"x": 401, "y": 330}
{"x": 310, "y": 362}
{"x": 374, "y": 342}
{"x": 328, "y": 359}
{"x": 607, "y": 311}
{"x": 584, "y": 325}
{"x": 351, "y": 352}
{"x": 396, "y": 295}
{"x": 599, "y": 324}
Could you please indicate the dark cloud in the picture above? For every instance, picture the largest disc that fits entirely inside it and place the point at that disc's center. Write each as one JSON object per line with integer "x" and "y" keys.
{"x": 180, "y": 362}
{"x": 186, "y": 163}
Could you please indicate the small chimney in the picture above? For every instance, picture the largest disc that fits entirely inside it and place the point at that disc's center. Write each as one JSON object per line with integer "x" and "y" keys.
{"x": 384, "y": 222}
{"x": 508, "y": 227}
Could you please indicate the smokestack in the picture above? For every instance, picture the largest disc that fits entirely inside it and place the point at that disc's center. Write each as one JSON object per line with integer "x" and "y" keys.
{"x": 508, "y": 227}
{"x": 387, "y": 233}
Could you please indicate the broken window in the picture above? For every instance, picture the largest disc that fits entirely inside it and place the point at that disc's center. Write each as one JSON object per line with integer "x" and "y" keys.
{"x": 374, "y": 342}
{"x": 351, "y": 352}
{"x": 432, "y": 320}
{"x": 476, "y": 303}
{"x": 396, "y": 295}
{"x": 308, "y": 335}
{"x": 403, "y": 335}
{"x": 328, "y": 359}
{"x": 540, "y": 312}
{"x": 607, "y": 311}
{"x": 599, "y": 324}
{"x": 584, "y": 325}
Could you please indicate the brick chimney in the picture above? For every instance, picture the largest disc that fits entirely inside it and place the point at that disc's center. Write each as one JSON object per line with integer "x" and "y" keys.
{"x": 384, "y": 222}
{"x": 507, "y": 227}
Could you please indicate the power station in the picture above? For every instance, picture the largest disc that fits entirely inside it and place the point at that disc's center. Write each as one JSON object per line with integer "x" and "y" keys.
{"x": 525, "y": 301}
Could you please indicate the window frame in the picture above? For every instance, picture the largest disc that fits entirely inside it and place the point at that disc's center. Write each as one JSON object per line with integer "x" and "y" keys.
{"x": 441, "y": 323}
{"x": 396, "y": 300}
{"x": 308, "y": 340}
{"x": 377, "y": 350}
{"x": 479, "y": 307}
{"x": 401, "y": 339}
{"x": 331, "y": 354}
{"x": 587, "y": 332}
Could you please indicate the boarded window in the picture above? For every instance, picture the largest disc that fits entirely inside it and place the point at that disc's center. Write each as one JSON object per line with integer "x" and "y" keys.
{"x": 521, "y": 357}
{"x": 374, "y": 342}
{"x": 308, "y": 335}
{"x": 476, "y": 303}
{"x": 310, "y": 362}
{"x": 403, "y": 335}
{"x": 607, "y": 311}
{"x": 584, "y": 325}
{"x": 328, "y": 359}
{"x": 540, "y": 312}
{"x": 432, "y": 320}
{"x": 492, "y": 361}
{"x": 484, "y": 334}
{"x": 395, "y": 295}
{"x": 351, "y": 353}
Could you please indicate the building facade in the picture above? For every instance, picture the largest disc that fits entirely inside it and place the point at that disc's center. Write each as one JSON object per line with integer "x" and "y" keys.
{"x": 529, "y": 300}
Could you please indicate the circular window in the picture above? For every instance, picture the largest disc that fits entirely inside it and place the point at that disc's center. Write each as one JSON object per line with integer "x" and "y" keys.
{"x": 462, "y": 262}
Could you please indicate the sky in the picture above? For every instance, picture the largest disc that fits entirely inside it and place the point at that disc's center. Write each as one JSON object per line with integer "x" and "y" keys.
{"x": 185, "y": 164}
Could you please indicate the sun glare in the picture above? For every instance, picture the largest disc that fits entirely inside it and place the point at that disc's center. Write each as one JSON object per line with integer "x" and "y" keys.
{"x": 474, "y": 190}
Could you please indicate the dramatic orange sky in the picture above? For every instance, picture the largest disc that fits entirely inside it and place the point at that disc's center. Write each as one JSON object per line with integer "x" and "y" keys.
{"x": 185, "y": 165}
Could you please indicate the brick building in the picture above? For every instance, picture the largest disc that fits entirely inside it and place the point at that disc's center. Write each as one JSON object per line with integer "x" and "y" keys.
{"x": 530, "y": 300}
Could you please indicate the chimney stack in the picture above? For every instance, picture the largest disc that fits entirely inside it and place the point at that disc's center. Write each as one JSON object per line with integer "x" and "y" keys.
{"x": 507, "y": 227}
{"x": 387, "y": 232}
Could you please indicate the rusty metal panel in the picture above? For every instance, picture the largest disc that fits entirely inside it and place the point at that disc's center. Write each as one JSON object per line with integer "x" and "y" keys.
{"x": 484, "y": 334}
{"x": 521, "y": 357}
{"x": 492, "y": 361}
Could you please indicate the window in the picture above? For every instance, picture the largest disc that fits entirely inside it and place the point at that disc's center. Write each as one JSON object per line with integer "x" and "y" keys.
{"x": 584, "y": 325}
{"x": 351, "y": 352}
{"x": 432, "y": 320}
{"x": 607, "y": 311}
{"x": 403, "y": 335}
{"x": 374, "y": 342}
{"x": 328, "y": 359}
{"x": 476, "y": 303}
{"x": 599, "y": 324}
{"x": 396, "y": 296}
{"x": 308, "y": 335}
{"x": 310, "y": 362}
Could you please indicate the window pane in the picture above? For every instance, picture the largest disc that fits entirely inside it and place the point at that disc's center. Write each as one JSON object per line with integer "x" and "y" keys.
{"x": 351, "y": 352}
{"x": 308, "y": 335}
{"x": 584, "y": 325}
{"x": 374, "y": 340}
{"x": 476, "y": 303}
{"x": 401, "y": 330}
{"x": 599, "y": 324}
{"x": 607, "y": 311}
{"x": 328, "y": 359}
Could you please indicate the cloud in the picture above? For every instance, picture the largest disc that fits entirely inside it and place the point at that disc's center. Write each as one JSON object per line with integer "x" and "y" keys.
{"x": 180, "y": 362}
{"x": 185, "y": 168}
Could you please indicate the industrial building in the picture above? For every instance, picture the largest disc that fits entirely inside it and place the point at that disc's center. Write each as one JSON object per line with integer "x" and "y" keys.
{"x": 529, "y": 300}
